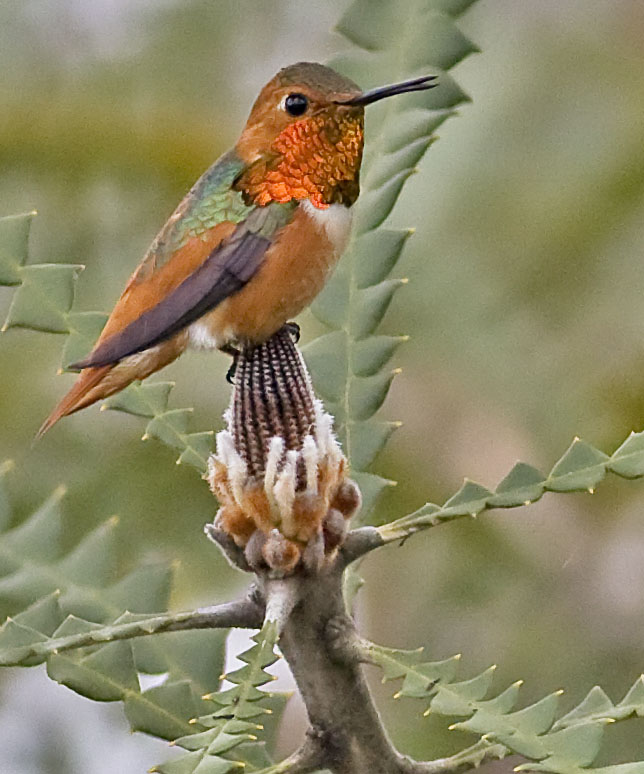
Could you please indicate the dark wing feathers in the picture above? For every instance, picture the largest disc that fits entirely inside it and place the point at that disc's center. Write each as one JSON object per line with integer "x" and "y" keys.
{"x": 225, "y": 271}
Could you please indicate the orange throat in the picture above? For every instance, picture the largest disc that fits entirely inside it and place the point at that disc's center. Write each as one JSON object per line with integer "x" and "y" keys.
{"x": 317, "y": 159}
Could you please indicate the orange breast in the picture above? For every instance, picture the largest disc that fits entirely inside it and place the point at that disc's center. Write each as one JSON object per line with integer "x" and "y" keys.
{"x": 294, "y": 271}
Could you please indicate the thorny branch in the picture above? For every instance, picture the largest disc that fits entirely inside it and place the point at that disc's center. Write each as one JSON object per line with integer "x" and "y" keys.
{"x": 246, "y": 613}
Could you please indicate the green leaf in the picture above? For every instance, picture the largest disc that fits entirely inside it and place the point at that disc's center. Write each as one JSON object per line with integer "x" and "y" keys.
{"x": 371, "y": 305}
{"x": 142, "y": 400}
{"x": 84, "y": 328}
{"x": 369, "y": 438}
{"x": 628, "y": 460}
{"x": 365, "y": 398}
{"x": 371, "y": 487}
{"x": 162, "y": 711}
{"x": 14, "y": 239}
{"x": 376, "y": 253}
{"x": 374, "y": 352}
{"x": 523, "y": 484}
{"x": 95, "y": 657}
{"x": 564, "y": 746}
{"x": 104, "y": 675}
{"x": 44, "y": 297}
{"x": 581, "y": 468}
{"x": 326, "y": 357}
{"x": 470, "y": 500}
{"x": 232, "y": 724}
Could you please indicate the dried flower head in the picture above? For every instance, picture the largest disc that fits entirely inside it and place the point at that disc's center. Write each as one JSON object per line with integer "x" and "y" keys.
{"x": 278, "y": 471}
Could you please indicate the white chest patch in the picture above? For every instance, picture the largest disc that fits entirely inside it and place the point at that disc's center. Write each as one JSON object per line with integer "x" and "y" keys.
{"x": 334, "y": 220}
{"x": 202, "y": 338}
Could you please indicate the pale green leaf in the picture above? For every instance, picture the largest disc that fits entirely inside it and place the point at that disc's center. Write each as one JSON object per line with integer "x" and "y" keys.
{"x": 44, "y": 297}
{"x": 14, "y": 239}
{"x": 628, "y": 460}
{"x": 581, "y": 467}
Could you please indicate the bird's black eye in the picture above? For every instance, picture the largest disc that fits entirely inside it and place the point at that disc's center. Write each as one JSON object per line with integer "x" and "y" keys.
{"x": 296, "y": 104}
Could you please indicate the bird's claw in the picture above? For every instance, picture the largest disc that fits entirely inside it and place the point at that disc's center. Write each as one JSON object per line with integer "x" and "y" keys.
{"x": 234, "y": 353}
{"x": 230, "y": 373}
{"x": 294, "y": 329}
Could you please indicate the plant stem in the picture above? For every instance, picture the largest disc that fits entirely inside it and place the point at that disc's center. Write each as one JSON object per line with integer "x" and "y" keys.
{"x": 244, "y": 613}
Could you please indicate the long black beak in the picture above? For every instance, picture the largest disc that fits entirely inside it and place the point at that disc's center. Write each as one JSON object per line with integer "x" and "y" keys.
{"x": 367, "y": 97}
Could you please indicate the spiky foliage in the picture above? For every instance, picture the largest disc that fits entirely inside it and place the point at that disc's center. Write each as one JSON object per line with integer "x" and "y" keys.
{"x": 564, "y": 745}
{"x": 44, "y": 301}
{"x": 73, "y": 595}
{"x": 580, "y": 469}
{"x": 350, "y": 363}
{"x": 230, "y": 739}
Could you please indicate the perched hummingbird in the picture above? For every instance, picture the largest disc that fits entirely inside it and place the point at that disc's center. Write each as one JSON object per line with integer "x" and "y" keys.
{"x": 251, "y": 244}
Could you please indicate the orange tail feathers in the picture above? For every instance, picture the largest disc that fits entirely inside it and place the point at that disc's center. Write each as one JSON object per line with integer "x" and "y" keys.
{"x": 82, "y": 394}
{"x": 94, "y": 384}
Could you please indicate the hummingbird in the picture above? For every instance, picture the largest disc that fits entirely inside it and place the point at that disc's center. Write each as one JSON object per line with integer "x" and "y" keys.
{"x": 251, "y": 244}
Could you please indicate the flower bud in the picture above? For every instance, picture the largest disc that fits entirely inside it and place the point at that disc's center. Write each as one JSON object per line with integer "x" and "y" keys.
{"x": 278, "y": 471}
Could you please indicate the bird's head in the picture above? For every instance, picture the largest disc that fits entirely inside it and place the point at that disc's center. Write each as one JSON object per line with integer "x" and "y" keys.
{"x": 304, "y": 136}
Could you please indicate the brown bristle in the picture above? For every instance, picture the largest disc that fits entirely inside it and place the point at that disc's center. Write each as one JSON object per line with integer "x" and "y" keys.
{"x": 271, "y": 397}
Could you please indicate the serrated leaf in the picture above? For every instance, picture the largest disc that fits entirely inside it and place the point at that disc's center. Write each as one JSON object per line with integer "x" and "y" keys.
{"x": 326, "y": 357}
{"x": 374, "y": 352}
{"x": 198, "y": 447}
{"x": 84, "y": 329}
{"x": 370, "y": 306}
{"x": 368, "y": 394}
{"x": 376, "y": 254}
{"x": 186, "y": 764}
{"x": 38, "y": 537}
{"x": 581, "y": 468}
{"x": 15, "y": 639}
{"x": 523, "y": 484}
{"x": 228, "y": 728}
{"x": 595, "y": 704}
{"x": 470, "y": 500}
{"x": 538, "y": 717}
{"x": 94, "y": 556}
{"x": 628, "y": 459}
{"x": 578, "y": 745}
{"x": 331, "y": 306}
{"x": 14, "y": 239}
{"x": 162, "y": 711}
{"x": 145, "y": 589}
{"x": 44, "y": 297}
{"x": 45, "y": 615}
{"x": 634, "y": 699}
{"x": 378, "y": 203}
{"x": 370, "y": 437}
{"x": 371, "y": 487}
{"x": 143, "y": 400}
{"x": 102, "y": 676}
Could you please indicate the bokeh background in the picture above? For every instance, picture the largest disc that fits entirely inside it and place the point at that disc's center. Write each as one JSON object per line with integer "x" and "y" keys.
{"x": 525, "y": 306}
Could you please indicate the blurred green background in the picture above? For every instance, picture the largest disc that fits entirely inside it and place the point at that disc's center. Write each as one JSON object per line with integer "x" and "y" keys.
{"x": 525, "y": 306}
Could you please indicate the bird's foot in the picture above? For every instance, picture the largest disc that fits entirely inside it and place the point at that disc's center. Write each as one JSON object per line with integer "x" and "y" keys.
{"x": 234, "y": 353}
{"x": 230, "y": 373}
{"x": 294, "y": 329}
